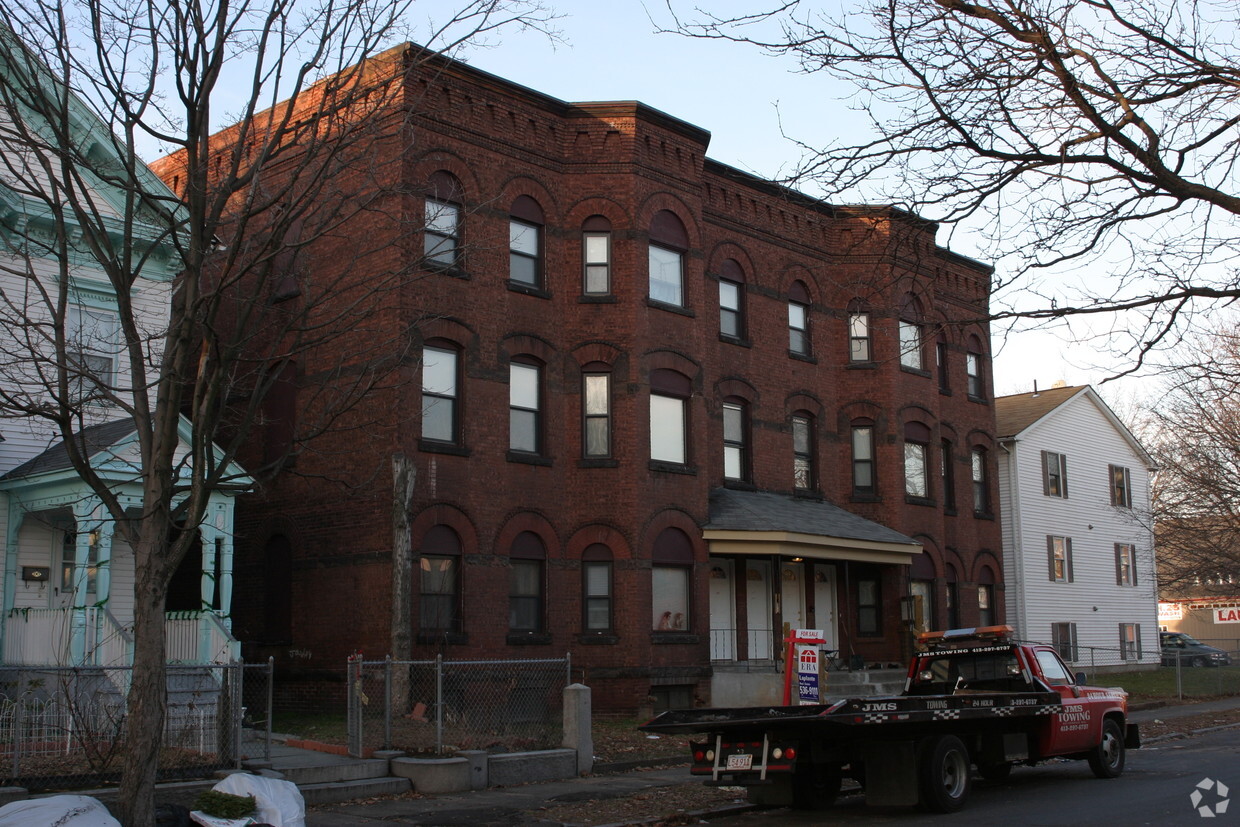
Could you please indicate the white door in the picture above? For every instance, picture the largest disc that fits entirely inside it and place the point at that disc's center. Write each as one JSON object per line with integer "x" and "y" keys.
{"x": 824, "y": 605}
{"x": 722, "y": 610}
{"x": 758, "y": 609}
{"x": 792, "y": 591}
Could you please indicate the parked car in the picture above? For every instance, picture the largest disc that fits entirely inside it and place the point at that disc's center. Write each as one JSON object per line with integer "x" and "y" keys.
{"x": 1190, "y": 652}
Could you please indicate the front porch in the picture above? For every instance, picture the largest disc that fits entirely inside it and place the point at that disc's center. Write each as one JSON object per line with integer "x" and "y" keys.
{"x": 94, "y": 637}
{"x": 67, "y": 596}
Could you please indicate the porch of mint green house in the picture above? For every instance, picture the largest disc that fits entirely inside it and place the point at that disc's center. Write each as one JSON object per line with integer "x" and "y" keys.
{"x": 68, "y": 575}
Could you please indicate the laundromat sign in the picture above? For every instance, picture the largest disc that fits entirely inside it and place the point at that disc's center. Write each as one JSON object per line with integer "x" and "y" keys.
{"x": 1229, "y": 615}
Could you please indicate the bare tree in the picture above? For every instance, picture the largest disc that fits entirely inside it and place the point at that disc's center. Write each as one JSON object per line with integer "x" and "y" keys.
{"x": 85, "y": 86}
{"x": 1092, "y": 137}
{"x": 1195, "y": 436}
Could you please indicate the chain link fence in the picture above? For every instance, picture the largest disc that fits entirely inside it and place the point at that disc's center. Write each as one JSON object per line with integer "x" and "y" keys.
{"x": 64, "y": 727}
{"x": 1166, "y": 672}
{"x": 439, "y": 706}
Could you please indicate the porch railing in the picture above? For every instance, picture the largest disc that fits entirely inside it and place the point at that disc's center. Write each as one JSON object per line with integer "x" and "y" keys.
{"x": 112, "y": 644}
{"x": 199, "y": 637}
{"x": 44, "y": 637}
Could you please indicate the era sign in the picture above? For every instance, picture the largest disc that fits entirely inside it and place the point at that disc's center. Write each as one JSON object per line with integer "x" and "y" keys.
{"x": 1231, "y": 615}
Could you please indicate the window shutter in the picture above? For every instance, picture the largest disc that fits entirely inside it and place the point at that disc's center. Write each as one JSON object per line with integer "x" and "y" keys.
{"x": 1063, "y": 476}
{"x": 1132, "y": 571}
{"x": 1067, "y": 553}
{"x": 1046, "y": 474}
{"x": 1050, "y": 557}
{"x": 1137, "y": 629}
{"x": 1119, "y": 564}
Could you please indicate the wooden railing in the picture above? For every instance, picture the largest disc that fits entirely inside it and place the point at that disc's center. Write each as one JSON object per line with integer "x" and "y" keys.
{"x": 44, "y": 637}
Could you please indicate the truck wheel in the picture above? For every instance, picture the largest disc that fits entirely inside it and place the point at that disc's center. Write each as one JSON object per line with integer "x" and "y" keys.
{"x": 1107, "y": 758}
{"x": 995, "y": 772}
{"x": 944, "y": 774}
{"x": 815, "y": 787}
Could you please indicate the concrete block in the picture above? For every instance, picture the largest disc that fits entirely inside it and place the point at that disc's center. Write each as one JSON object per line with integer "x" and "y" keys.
{"x": 336, "y": 791}
{"x": 9, "y": 794}
{"x": 478, "y": 765}
{"x": 578, "y": 736}
{"x": 434, "y": 775}
{"x": 388, "y": 753}
{"x": 523, "y": 767}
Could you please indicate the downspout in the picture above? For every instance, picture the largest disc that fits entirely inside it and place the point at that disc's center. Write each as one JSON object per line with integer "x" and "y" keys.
{"x": 1016, "y": 535}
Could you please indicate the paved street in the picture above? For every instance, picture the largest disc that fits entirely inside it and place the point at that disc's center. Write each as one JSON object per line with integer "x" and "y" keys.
{"x": 1155, "y": 790}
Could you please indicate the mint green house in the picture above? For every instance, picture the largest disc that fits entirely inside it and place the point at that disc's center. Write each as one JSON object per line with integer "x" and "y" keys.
{"x": 67, "y": 577}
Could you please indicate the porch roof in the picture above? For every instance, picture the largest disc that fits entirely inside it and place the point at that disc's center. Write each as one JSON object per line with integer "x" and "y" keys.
{"x": 759, "y": 522}
{"x": 49, "y": 479}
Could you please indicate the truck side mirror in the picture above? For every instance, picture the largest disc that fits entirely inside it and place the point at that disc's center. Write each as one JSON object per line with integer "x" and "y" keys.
{"x": 1080, "y": 679}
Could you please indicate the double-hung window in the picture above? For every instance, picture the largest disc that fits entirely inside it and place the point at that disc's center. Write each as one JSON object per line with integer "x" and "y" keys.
{"x": 803, "y": 477}
{"x": 439, "y": 394}
{"x": 911, "y": 355}
{"x": 525, "y": 407}
{"x": 668, "y": 244}
{"x": 859, "y": 336}
{"x": 671, "y": 561}
{"x": 525, "y": 243}
{"x": 596, "y": 411}
{"x": 439, "y": 571}
{"x": 442, "y": 233}
{"x": 1125, "y": 564}
{"x": 596, "y": 256}
{"x": 1059, "y": 558}
{"x": 669, "y": 396}
{"x": 1121, "y": 486}
{"x": 731, "y": 300}
{"x": 525, "y": 594}
{"x": 596, "y": 586}
{"x": 92, "y": 347}
{"x": 917, "y": 460}
{"x": 863, "y": 459}
{"x": 974, "y": 364}
{"x": 798, "y": 319}
{"x": 981, "y": 484}
{"x": 735, "y": 459}
{"x": 1054, "y": 474}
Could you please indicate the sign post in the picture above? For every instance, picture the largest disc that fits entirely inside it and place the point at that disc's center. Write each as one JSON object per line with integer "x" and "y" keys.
{"x": 804, "y": 660}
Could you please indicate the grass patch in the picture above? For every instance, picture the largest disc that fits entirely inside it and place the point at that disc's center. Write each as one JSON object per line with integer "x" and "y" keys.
{"x": 330, "y": 728}
{"x": 1160, "y": 684}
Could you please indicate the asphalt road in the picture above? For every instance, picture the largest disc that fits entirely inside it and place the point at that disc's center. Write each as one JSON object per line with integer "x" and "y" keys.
{"x": 1155, "y": 789}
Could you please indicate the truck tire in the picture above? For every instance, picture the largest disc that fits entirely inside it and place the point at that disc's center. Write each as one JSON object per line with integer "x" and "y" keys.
{"x": 999, "y": 771}
{"x": 815, "y": 787}
{"x": 943, "y": 774}
{"x": 1107, "y": 758}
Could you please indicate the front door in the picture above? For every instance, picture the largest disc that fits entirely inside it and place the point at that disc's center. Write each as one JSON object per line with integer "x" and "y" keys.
{"x": 758, "y": 609}
{"x": 792, "y": 594}
{"x": 722, "y": 610}
{"x": 824, "y": 605}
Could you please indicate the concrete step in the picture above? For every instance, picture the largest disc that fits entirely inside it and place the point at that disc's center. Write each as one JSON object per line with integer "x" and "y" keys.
{"x": 335, "y": 791}
{"x": 328, "y": 772}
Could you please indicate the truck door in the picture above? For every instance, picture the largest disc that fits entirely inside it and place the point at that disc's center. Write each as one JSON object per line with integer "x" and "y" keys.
{"x": 1071, "y": 728}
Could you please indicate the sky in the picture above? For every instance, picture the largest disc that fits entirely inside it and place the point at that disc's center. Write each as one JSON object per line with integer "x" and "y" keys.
{"x": 752, "y": 104}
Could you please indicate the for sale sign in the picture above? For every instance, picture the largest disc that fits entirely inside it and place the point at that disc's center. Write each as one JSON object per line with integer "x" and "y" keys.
{"x": 807, "y": 643}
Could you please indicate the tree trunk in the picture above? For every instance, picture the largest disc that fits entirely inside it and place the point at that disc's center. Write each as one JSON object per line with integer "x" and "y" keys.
{"x": 404, "y": 480}
{"x": 147, "y": 705}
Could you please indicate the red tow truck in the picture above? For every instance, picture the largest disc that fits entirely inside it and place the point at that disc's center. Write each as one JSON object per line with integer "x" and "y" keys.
{"x": 973, "y": 698}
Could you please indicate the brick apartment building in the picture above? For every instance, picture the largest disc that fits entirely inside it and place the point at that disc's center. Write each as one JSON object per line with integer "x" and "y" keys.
{"x": 659, "y": 411}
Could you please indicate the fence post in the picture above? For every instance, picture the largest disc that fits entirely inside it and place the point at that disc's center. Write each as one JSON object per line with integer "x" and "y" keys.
{"x": 387, "y": 702}
{"x": 568, "y": 668}
{"x": 238, "y": 682}
{"x": 439, "y": 704}
{"x": 1179, "y": 676}
{"x": 271, "y": 688}
{"x": 354, "y": 682}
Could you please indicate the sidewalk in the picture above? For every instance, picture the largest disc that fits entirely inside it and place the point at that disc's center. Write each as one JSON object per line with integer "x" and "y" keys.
{"x": 501, "y": 806}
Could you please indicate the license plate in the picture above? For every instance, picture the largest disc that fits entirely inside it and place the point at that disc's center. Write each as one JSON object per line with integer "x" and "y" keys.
{"x": 740, "y": 762}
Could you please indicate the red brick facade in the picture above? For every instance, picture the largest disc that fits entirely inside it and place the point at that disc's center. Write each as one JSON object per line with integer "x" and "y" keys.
{"x": 314, "y": 559}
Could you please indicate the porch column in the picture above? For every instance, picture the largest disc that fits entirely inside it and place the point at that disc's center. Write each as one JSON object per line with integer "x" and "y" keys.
{"x": 17, "y": 515}
{"x": 223, "y": 525}
{"x": 103, "y": 560}
{"x": 84, "y": 524}
{"x": 207, "y": 535}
